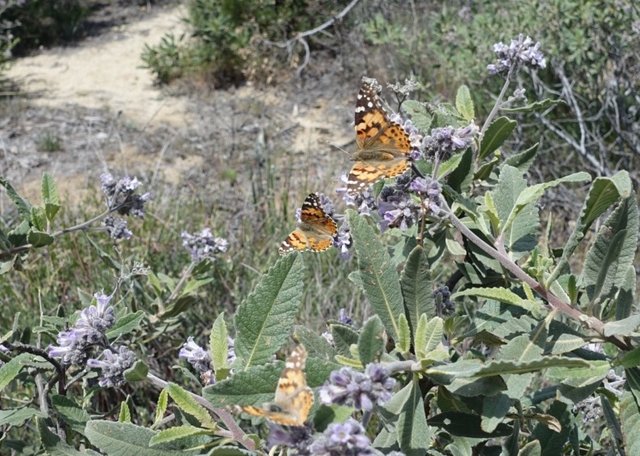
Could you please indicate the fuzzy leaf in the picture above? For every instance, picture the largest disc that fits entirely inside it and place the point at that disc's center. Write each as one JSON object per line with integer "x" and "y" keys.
{"x": 464, "y": 103}
{"x": 55, "y": 447}
{"x": 11, "y": 369}
{"x": 433, "y": 333}
{"x": 23, "y": 206}
{"x": 265, "y": 318}
{"x": 497, "y": 133}
{"x": 50, "y": 196}
{"x": 39, "y": 238}
{"x": 379, "y": 276}
{"x": 404, "y": 340}
{"x": 625, "y": 327}
{"x": 494, "y": 409}
{"x": 523, "y": 160}
{"x": 630, "y": 421}
{"x": 417, "y": 288}
{"x": 343, "y": 337}
{"x": 125, "y": 439}
{"x": 175, "y": 433}
{"x": 188, "y": 404}
{"x": 161, "y": 406}
{"x": 413, "y": 433}
{"x": 608, "y": 260}
{"x": 73, "y": 415}
{"x": 499, "y": 294}
{"x": 371, "y": 340}
{"x": 316, "y": 345}
{"x": 219, "y": 347}
{"x": 418, "y": 113}
{"x": 461, "y": 176}
{"x": 18, "y": 416}
{"x": 125, "y": 413}
{"x": 136, "y": 373}
{"x": 126, "y": 324}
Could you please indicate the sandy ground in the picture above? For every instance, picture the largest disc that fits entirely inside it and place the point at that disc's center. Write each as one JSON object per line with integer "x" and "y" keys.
{"x": 106, "y": 72}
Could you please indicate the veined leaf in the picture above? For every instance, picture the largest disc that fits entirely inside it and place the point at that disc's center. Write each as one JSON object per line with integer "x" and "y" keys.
{"x": 126, "y": 324}
{"x": 55, "y": 447}
{"x": 630, "y": 421}
{"x": 464, "y": 103}
{"x": 499, "y": 294}
{"x": 73, "y": 415}
{"x": 497, "y": 133}
{"x": 125, "y": 413}
{"x": 23, "y": 206}
{"x": 50, "y": 197}
{"x": 11, "y": 369}
{"x": 473, "y": 368}
{"x": 39, "y": 238}
{"x": 404, "y": 339}
{"x": 494, "y": 409}
{"x": 343, "y": 337}
{"x": 265, "y": 318}
{"x": 417, "y": 289}
{"x": 413, "y": 433}
{"x": 219, "y": 347}
{"x": 605, "y": 268}
{"x": 188, "y": 404}
{"x": 18, "y": 416}
{"x": 523, "y": 160}
{"x": 175, "y": 433}
{"x": 161, "y": 407}
{"x": 460, "y": 177}
{"x": 125, "y": 439}
{"x": 625, "y": 327}
{"x": 379, "y": 276}
{"x": 371, "y": 341}
{"x": 604, "y": 192}
{"x": 418, "y": 113}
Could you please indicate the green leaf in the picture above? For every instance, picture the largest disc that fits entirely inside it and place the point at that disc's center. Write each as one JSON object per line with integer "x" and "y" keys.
{"x": 418, "y": 113}
{"x": 11, "y": 369}
{"x": 531, "y": 449}
{"x": 523, "y": 160}
{"x": 499, "y": 294}
{"x": 371, "y": 341}
{"x": 55, "y": 447}
{"x": 316, "y": 345}
{"x": 39, "y": 238}
{"x": 613, "y": 422}
{"x": 219, "y": 347}
{"x": 188, "y": 404}
{"x": 73, "y": 415}
{"x": 343, "y": 337}
{"x": 379, "y": 276}
{"x": 494, "y": 409}
{"x": 125, "y": 439}
{"x": 161, "y": 406}
{"x": 613, "y": 252}
{"x": 265, "y": 318}
{"x": 553, "y": 442}
{"x": 630, "y": 359}
{"x": 417, "y": 288}
{"x": 38, "y": 218}
{"x": 413, "y": 433}
{"x": 536, "y": 106}
{"x": 50, "y": 196}
{"x": 126, "y": 324}
{"x": 464, "y": 103}
{"x": 136, "y": 373}
{"x": 430, "y": 338}
{"x": 460, "y": 177}
{"x": 604, "y": 192}
{"x": 18, "y": 416}
{"x": 566, "y": 343}
{"x": 23, "y": 206}
{"x": 125, "y": 414}
{"x": 497, "y": 133}
{"x": 175, "y": 433}
{"x": 404, "y": 340}
{"x": 630, "y": 421}
{"x": 625, "y": 327}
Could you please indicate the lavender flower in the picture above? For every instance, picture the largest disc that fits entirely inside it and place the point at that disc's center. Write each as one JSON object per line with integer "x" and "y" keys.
{"x": 298, "y": 438}
{"x": 203, "y": 245}
{"x": 430, "y": 188}
{"x": 116, "y": 227}
{"x": 88, "y": 330}
{"x": 121, "y": 195}
{"x": 521, "y": 51}
{"x": 343, "y": 439}
{"x": 396, "y": 207}
{"x": 363, "y": 202}
{"x": 197, "y": 356}
{"x": 113, "y": 365}
{"x": 344, "y": 317}
{"x": 447, "y": 140}
{"x": 342, "y": 240}
{"x": 360, "y": 390}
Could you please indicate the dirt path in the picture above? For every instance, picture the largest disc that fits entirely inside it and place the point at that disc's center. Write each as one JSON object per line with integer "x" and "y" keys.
{"x": 105, "y": 72}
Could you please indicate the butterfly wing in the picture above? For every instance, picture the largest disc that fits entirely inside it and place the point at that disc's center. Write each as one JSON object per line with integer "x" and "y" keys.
{"x": 383, "y": 145}
{"x": 315, "y": 231}
{"x": 294, "y": 399}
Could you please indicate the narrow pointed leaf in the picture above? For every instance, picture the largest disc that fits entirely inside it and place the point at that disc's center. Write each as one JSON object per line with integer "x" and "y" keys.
{"x": 464, "y": 103}
{"x": 414, "y": 435}
{"x": 265, "y": 318}
{"x": 497, "y": 133}
{"x": 417, "y": 288}
{"x": 378, "y": 273}
{"x": 23, "y": 206}
{"x": 371, "y": 341}
{"x": 499, "y": 294}
{"x": 175, "y": 433}
{"x": 523, "y": 160}
{"x": 54, "y": 446}
{"x": 50, "y": 196}
{"x": 494, "y": 409}
{"x": 189, "y": 405}
{"x": 219, "y": 346}
{"x": 125, "y": 413}
{"x": 630, "y": 421}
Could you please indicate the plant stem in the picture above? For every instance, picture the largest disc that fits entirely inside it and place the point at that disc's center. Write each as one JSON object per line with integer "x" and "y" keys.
{"x": 498, "y": 103}
{"x": 554, "y": 301}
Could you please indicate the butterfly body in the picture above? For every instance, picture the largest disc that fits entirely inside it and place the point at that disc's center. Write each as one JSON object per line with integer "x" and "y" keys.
{"x": 315, "y": 231}
{"x": 293, "y": 399}
{"x": 382, "y": 146}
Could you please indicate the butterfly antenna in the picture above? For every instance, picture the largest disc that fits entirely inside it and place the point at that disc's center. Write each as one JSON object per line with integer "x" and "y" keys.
{"x": 342, "y": 148}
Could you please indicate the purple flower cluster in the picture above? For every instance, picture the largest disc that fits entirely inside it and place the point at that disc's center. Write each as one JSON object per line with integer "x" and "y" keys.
{"x": 298, "y": 438}
{"x": 203, "y": 245}
{"x": 343, "y": 439}
{"x": 444, "y": 305}
{"x": 521, "y": 51}
{"x": 197, "y": 356}
{"x": 113, "y": 364}
{"x": 444, "y": 141}
{"x": 121, "y": 197}
{"x": 360, "y": 390}
{"x": 88, "y": 330}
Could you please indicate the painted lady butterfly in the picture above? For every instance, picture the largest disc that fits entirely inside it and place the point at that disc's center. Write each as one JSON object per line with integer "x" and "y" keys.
{"x": 315, "y": 230}
{"x": 294, "y": 398}
{"x": 383, "y": 145}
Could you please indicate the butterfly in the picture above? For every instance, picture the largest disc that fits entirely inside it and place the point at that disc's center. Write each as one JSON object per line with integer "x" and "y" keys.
{"x": 294, "y": 398}
{"x": 383, "y": 146}
{"x": 315, "y": 231}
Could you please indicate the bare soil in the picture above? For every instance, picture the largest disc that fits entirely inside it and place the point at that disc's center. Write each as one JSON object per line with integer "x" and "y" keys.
{"x": 88, "y": 108}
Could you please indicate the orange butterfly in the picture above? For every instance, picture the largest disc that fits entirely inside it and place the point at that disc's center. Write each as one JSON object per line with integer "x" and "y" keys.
{"x": 383, "y": 145}
{"x": 294, "y": 398}
{"x": 315, "y": 231}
